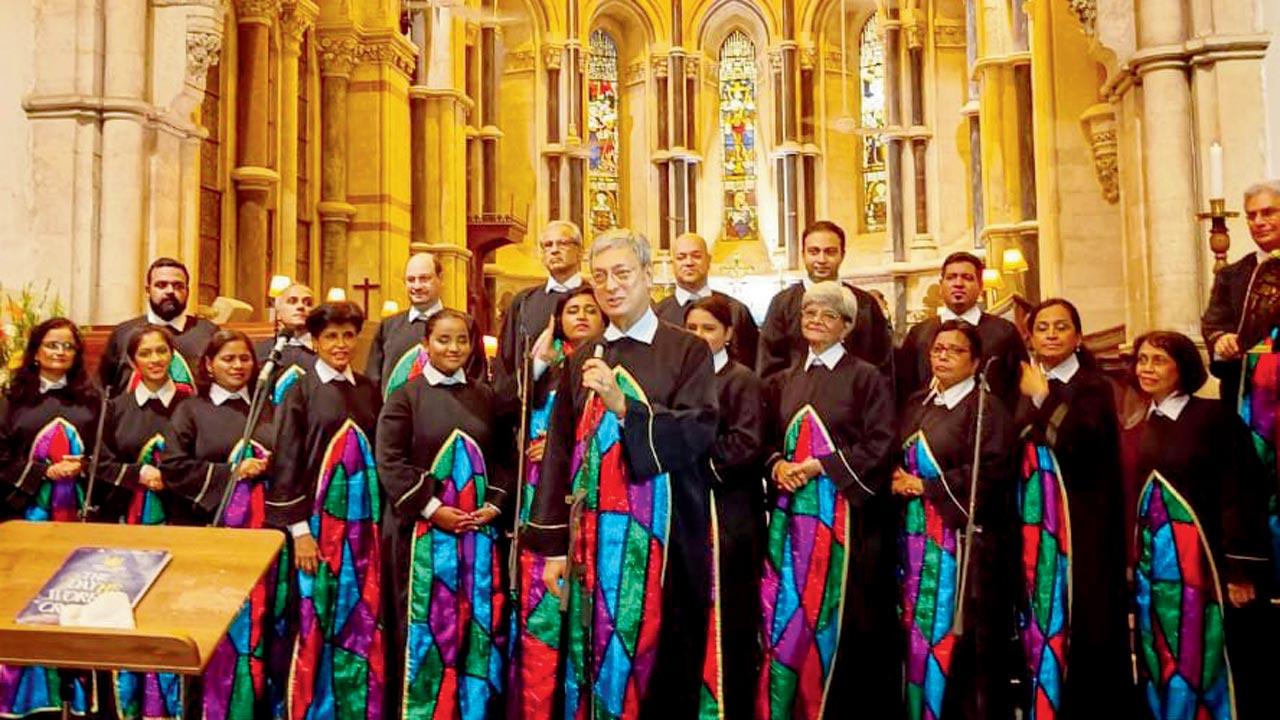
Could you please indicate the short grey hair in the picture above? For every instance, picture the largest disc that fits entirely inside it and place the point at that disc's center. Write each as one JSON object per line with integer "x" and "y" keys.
{"x": 570, "y": 228}
{"x": 624, "y": 238}
{"x": 1271, "y": 187}
{"x": 834, "y": 296}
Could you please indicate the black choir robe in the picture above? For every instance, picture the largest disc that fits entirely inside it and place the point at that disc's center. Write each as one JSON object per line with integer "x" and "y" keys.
{"x": 312, "y": 413}
{"x": 19, "y": 425}
{"x": 396, "y": 335}
{"x": 292, "y": 354}
{"x": 412, "y": 427}
{"x": 1078, "y": 421}
{"x": 129, "y": 428}
{"x": 1223, "y": 315}
{"x": 1000, "y": 340}
{"x": 855, "y": 402}
{"x": 114, "y": 371}
{"x": 523, "y": 322}
{"x": 984, "y": 661}
{"x": 782, "y": 342}
{"x": 673, "y": 434}
{"x": 737, "y": 471}
{"x": 198, "y": 444}
{"x": 746, "y": 336}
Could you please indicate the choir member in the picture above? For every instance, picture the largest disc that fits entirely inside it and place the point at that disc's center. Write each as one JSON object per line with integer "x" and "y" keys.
{"x": 202, "y": 457}
{"x": 737, "y": 493}
{"x": 641, "y": 402}
{"x": 404, "y": 331}
{"x": 958, "y": 540}
{"x": 828, "y": 623}
{"x": 326, "y": 493}
{"x": 1002, "y": 343}
{"x": 781, "y": 342}
{"x": 48, "y": 421}
{"x": 291, "y": 307}
{"x": 692, "y": 263}
{"x": 535, "y": 642}
{"x": 168, "y": 289}
{"x": 1073, "y": 518}
{"x": 442, "y": 450}
{"x": 1201, "y": 556}
{"x": 560, "y": 246}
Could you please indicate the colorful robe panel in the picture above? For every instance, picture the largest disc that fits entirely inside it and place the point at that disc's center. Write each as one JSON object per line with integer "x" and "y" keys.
{"x": 286, "y": 382}
{"x": 1182, "y": 650}
{"x": 338, "y": 669}
{"x": 619, "y": 556}
{"x": 408, "y": 367}
{"x": 179, "y": 372}
{"x": 929, "y": 574}
{"x": 1259, "y": 405}
{"x": 803, "y": 589}
{"x": 453, "y": 664}
{"x": 147, "y": 696}
{"x": 1046, "y": 566}
{"x": 28, "y": 690}
{"x": 711, "y": 697}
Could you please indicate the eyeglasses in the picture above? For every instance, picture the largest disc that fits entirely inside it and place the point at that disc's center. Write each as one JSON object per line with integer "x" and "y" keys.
{"x": 948, "y": 350}
{"x": 826, "y": 316}
{"x": 56, "y": 345}
{"x": 622, "y": 276}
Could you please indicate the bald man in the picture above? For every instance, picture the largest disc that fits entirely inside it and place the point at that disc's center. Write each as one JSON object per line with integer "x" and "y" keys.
{"x": 291, "y": 321}
{"x": 423, "y": 278}
{"x": 692, "y": 264}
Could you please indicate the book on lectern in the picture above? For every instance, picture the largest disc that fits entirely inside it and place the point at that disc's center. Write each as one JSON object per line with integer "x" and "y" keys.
{"x": 88, "y": 573}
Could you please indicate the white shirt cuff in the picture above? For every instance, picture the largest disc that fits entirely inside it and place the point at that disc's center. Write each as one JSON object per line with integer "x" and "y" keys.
{"x": 433, "y": 505}
{"x": 539, "y": 367}
{"x": 1038, "y": 400}
{"x": 300, "y": 528}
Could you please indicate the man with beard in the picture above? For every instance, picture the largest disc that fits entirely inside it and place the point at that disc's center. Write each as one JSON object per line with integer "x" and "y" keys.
{"x": 781, "y": 341}
{"x": 692, "y": 264}
{"x": 168, "y": 287}
{"x": 402, "y": 331}
{"x": 1001, "y": 342}
{"x": 291, "y": 322}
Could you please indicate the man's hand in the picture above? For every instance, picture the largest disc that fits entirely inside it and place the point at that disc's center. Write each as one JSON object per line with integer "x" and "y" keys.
{"x": 451, "y": 519}
{"x": 906, "y": 484}
{"x": 598, "y": 376}
{"x": 306, "y": 553}
{"x": 1227, "y": 347}
{"x": 543, "y": 347}
{"x": 1240, "y": 594}
{"x": 149, "y": 477}
{"x": 65, "y": 468}
{"x": 553, "y": 575}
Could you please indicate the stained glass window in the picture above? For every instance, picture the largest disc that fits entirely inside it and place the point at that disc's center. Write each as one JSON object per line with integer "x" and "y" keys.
{"x": 871, "y": 84}
{"x": 602, "y": 130}
{"x": 738, "y": 131}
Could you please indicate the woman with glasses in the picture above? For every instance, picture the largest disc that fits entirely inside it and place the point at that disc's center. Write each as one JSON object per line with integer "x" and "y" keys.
{"x": 48, "y": 420}
{"x": 827, "y": 591}
{"x": 957, "y": 541}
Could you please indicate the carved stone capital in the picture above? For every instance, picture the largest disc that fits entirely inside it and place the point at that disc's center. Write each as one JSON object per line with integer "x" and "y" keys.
{"x": 915, "y": 32}
{"x": 204, "y": 49}
{"x": 1099, "y": 126}
{"x": 296, "y": 18}
{"x": 949, "y": 35}
{"x": 520, "y": 60}
{"x": 692, "y": 64}
{"x": 660, "y": 66}
{"x": 385, "y": 50}
{"x": 337, "y": 54}
{"x": 775, "y": 60}
{"x": 633, "y": 73}
{"x": 808, "y": 57}
{"x": 553, "y": 56}
{"x": 1086, "y": 11}
{"x": 257, "y": 10}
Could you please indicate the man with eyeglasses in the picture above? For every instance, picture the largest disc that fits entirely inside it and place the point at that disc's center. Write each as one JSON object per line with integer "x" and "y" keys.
{"x": 692, "y": 263}
{"x": 168, "y": 288}
{"x": 560, "y": 247}
{"x": 423, "y": 279}
{"x": 961, "y": 283}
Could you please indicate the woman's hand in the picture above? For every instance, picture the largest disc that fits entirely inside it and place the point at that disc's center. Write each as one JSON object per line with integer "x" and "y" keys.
{"x": 250, "y": 468}
{"x": 1033, "y": 383}
{"x": 306, "y": 553}
{"x": 482, "y": 517}
{"x": 1240, "y": 594}
{"x": 544, "y": 346}
{"x": 599, "y": 377}
{"x": 792, "y": 476}
{"x": 553, "y": 575}
{"x": 906, "y": 484}
{"x": 149, "y": 477}
{"x": 451, "y": 519}
{"x": 537, "y": 448}
{"x": 65, "y": 468}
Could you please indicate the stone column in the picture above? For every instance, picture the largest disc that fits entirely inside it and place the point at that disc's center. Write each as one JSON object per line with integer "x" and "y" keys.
{"x": 204, "y": 49}
{"x": 337, "y": 54}
{"x": 296, "y": 20}
{"x": 552, "y": 61}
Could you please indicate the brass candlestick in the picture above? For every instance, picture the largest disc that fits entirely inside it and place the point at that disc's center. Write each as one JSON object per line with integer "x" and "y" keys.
{"x": 1219, "y": 237}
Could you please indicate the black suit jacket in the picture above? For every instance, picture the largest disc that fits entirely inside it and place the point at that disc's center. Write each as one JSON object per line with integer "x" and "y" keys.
{"x": 746, "y": 336}
{"x": 1226, "y": 305}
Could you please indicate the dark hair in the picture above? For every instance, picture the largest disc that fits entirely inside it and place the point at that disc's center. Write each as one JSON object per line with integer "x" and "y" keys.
{"x": 557, "y": 329}
{"x": 343, "y": 312}
{"x": 1086, "y": 357}
{"x": 823, "y": 226}
{"x": 964, "y": 257}
{"x": 446, "y": 314}
{"x": 167, "y": 262}
{"x": 970, "y": 332}
{"x": 714, "y": 305}
{"x": 135, "y": 340}
{"x": 1191, "y": 372}
{"x": 24, "y": 387}
{"x": 220, "y": 340}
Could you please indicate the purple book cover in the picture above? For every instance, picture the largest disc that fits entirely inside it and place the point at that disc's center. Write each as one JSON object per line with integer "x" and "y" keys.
{"x": 90, "y": 571}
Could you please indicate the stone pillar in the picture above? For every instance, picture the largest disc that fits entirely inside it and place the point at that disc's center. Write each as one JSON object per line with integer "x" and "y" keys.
{"x": 552, "y": 62}
{"x": 296, "y": 20}
{"x": 337, "y": 53}
{"x": 892, "y": 26}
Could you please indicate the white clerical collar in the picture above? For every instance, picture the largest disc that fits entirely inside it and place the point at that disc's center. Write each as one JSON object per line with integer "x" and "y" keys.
{"x": 972, "y": 316}
{"x": 179, "y": 323}
{"x": 328, "y": 374}
{"x": 807, "y": 283}
{"x": 416, "y": 314}
{"x": 47, "y": 385}
{"x": 1171, "y": 407}
{"x": 1064, "y": 370}
{"x": 952, "y": 396}
{"x": 827, "y": 358}
{"x": 435, "y": 377}
{"x": 165, "y": 393}
{"x": 720, "y": 359}
{"x": 303, "y": 340}
{"x": 219, "y": 395}
{"x": 569, "y": 285}
{"x": 684, "y": 297}
{"x": 641, "y": 330}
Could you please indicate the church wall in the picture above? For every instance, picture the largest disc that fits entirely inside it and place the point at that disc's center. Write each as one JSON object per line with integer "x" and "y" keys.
{"x": 17, "y": 193}
{"x": 1271, "y": 86}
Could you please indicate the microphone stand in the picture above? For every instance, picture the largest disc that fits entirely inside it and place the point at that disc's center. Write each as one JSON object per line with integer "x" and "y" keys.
{"x": 971, "y": 526}
{"x": 261, "y": 395}
{"x": 87, "y": 508}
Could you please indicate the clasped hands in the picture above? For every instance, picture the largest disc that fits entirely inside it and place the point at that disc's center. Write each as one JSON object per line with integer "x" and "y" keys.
{"x": 906, "y": 484}
{"x": 791, "y": 476}
{"x": 454, "y": 520}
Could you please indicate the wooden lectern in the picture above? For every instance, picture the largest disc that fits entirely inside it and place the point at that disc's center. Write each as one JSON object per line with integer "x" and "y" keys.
{"x": 179, "y": 621}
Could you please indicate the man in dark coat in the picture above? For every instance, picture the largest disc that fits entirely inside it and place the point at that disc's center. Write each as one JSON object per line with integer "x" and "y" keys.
{"x": 692, "y": 264}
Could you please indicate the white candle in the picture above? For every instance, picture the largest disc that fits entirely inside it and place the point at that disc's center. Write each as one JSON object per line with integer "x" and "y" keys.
{"x": 1215, "y": 172}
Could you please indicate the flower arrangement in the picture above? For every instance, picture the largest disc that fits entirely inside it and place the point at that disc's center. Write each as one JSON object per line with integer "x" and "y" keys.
{"x": 21, "y": 311}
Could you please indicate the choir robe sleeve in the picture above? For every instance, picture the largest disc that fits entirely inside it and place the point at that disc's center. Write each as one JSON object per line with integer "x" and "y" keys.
{"x": 742, "y": 428}
{"x": 502, "y": 453}
{"x": 861, "y": 454}
{"x": 124, "y": 473}
{"x": 995, "y": 455}
{"x": 668, "y": 438}
{"x": 1222, "y": 315}
{"x": 477, "y": 365}
{"x": 200, "y": 481}
{"x": 906, "y": 365}
{"x": 13, "y": 465}
{"x": 1245, "y": 541}
{"x": 408, "y": 487}
{"x": 872, "y": 336}
{"x": 1083, "y": 427}
{"x": 746, "y": 336}
{"x": 111, "y": 375}
{"x": 507, "y": 361}
{"x": 547, "y": 532}
{"x": 292, "y": 484}
{"x": 775, "y": 339}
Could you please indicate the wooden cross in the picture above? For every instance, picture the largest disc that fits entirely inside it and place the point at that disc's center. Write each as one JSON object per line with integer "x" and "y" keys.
{"x": 364, "y": 288}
